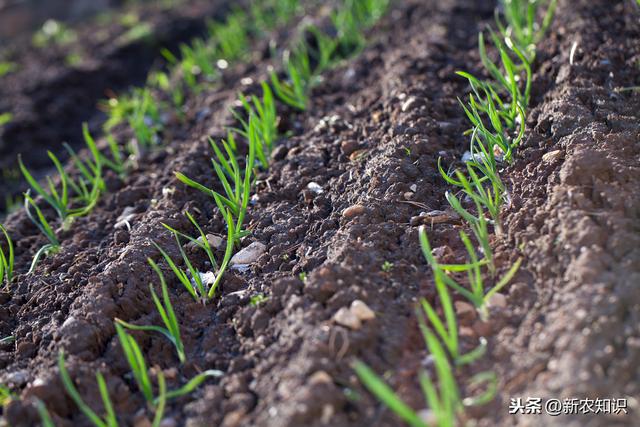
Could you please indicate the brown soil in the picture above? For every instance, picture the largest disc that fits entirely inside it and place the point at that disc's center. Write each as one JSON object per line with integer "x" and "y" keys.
{"x": 376, "y": 128}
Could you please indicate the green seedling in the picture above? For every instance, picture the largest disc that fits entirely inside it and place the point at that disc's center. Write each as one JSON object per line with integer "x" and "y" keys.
{"x": 7, "y": 67}
{"x": 86, "y": 188}
{"x": 350, "y": 38}
{"x": 53, "y": 33}
{"x": 5, "y": 118}
{"x": 366, "y": 12}
{"x": 478, "y": 295}
{"x": 197, "y": 59}
{"x": 236, "y": 185}
{"x": 489, "y": 197}
{"x": 297, "y": 66}
{"x": 142, "y": 113}
{"x": 269, "y": 14}
{"x": 138, "y": 31}
{"x": 197, "y": 289}
{"x": 43, "y": 225}
{"x": 5, "y": 395}
{"x": 109, "y": 419}
{"x": 508, "y": 78}
{"x": 386, "y": 395}
{"x": 116, "y": 160}
{"x": 145, "y": 118}
{"x": 167, "y": 314}
{"x": 444, "y": 400}
{"x": 325, "y": 49}
{"x": 202, "y": 242}
{"x": 45, "y": 418}
{"x": 387, "y": 266}
{"x": 6, "y": 259}
{"x": 232, "y": 39}
{"x": 522, "y": 25}
{"x": 194, "y": 286}
{"x": 257, "y": 299}
{"x": 448, "y": 330}
{"x": 138, "y": 366}
{"x": 265, "y": 120}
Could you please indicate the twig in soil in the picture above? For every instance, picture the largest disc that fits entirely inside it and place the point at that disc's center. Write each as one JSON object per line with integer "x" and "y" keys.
{"x": 167, "y": 314}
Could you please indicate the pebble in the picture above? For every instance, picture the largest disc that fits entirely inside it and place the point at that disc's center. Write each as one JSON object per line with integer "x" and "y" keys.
{"x": 411, "y": 103}
{"x": 348, "y": 147}
{"x": 125, "y": 218}
{"x": 208, "y": 278}
{"x": 497, "y": 300}
{"x": 428, "y": 416}
{"x": 362, "y": 310}
{"x": 320, "y": 377}
{"x": 353, "y": 211}
{"x": 345, "y": 317}
{"x": 465, "y": 312}
{"x": 215, "y": 241}
{"x": 17, "y": 378}
{"x": 314, "y": 187}
{"x": 552, "y": 156}
{"x": 249, "y": 255}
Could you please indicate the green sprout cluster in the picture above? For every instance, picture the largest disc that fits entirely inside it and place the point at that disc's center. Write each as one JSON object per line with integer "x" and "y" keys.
{"x": 496, "y": 110}
{"x": 73, "y": 195}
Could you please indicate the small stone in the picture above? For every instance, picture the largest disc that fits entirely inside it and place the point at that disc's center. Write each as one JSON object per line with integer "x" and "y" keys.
{"x": 208, "y": 279}
{"x": 552, "y": 156}
{"x": 125, "y": 218}
{"x": 215, "y": 241}
{"x": 315, "y": 188}
{"x": 249, "y": 255}
{"x": 168, "y": 191}
{"x": 465, "y": 312}
{"x": 345, "y": 317}
{"x": 17, "y": 378}
{"x": 497, "y": 300}
{"x": 428, "y": 416}
{"x": 353, "y": 211}
{"x": 411, "y": 103}
{"x": 362, "y": 310}
{"x": 169, "y": 422}
{"x": 413, "y": 188}
{"x": 348, "y": 147}
{"x": 320, "y": 377}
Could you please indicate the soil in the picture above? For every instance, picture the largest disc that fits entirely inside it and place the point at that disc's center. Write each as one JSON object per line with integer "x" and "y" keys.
{"x": 370, "y": 141}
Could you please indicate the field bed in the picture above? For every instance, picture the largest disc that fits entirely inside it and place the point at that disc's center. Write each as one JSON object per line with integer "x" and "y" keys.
{"x": 338, "y": 212}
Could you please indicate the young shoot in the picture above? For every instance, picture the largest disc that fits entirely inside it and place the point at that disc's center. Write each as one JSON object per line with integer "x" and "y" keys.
{"x": 109, "y": 419}
{"x": 138, "y": 366}
{"x": 295, "y": 91}
{"x": 444, "y": 401}
{"x": 6, "y": 259}
{"x": 43, "y": 225}
{"x": 167, "y": 314}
